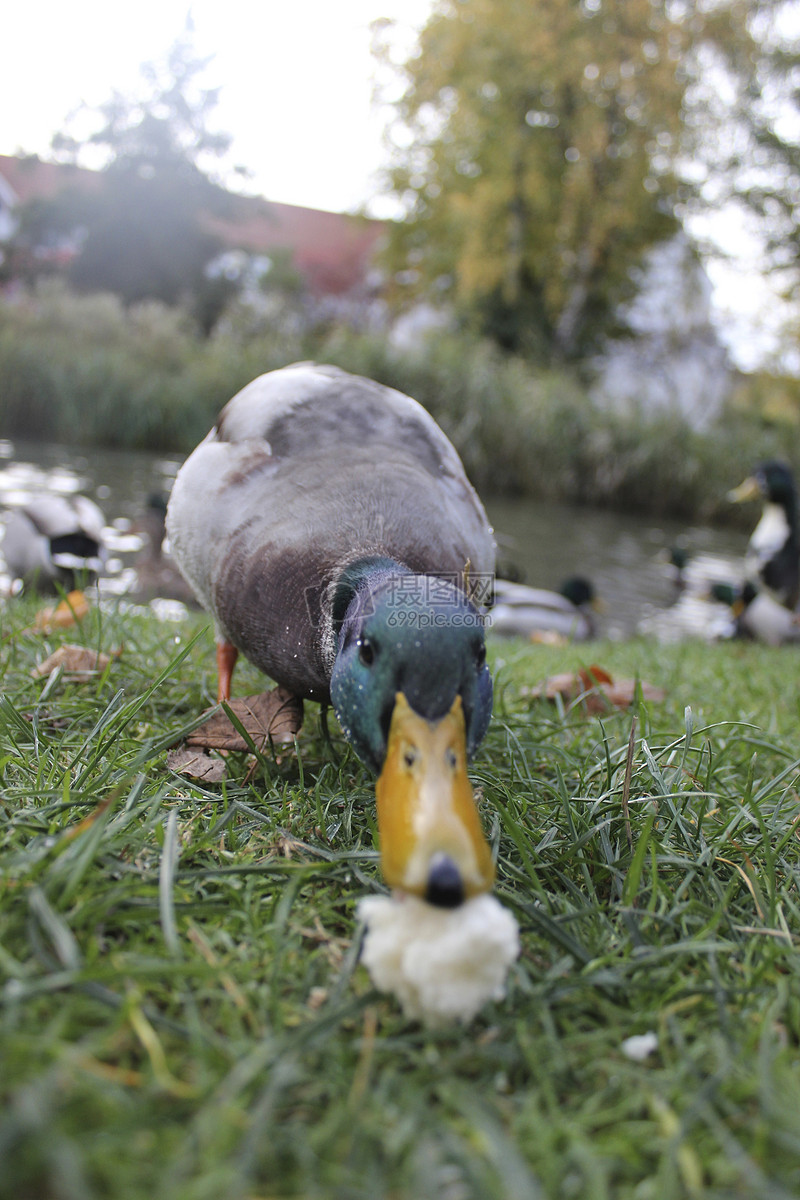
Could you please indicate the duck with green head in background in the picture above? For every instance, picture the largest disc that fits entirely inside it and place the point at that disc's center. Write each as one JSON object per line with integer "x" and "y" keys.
{"x": 772, "y": 560}
{"x": 328, "y": 525}
{"x": 538, "y": 614}
{"x": 755, "y": 615}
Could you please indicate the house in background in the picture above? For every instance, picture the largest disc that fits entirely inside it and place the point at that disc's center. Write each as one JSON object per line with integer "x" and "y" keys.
{"x": 331, "y": 256}
{"x": 301, "y": 266}
{"x": 323, "y": 261}
{"x": 26, "y": 178}
{"x": 332, "y": 252}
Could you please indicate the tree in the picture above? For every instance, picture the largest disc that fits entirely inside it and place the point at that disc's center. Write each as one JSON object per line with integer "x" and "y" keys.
{"x": 742, "y": 142}
{"x": 529, "y": 180}
{"x": 542, "y": 148}
{"x": 141, "y": 233}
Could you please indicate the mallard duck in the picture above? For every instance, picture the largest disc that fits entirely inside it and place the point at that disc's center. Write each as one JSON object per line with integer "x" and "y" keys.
{"x": 327, "y": 524}
{"x": 530, "y": 612}
{"x": 772, "y": 561}
{"x": 677, "y": 560}
{"x": 155, "y": 575}
{"x": 54, "y": 542}
{"x": 695, "y": 572}
{"x": 756, "y": 615}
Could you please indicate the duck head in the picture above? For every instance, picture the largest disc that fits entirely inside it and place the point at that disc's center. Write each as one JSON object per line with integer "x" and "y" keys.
{"x": 771, "y": 481}
{"x": 579, "y": 591}
{"x": 413, "y": 695}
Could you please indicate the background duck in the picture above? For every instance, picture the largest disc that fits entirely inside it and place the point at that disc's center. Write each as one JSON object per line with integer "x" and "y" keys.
{"x": 756, "y": 616}
{"x": 522, "y": 611}
{"x": 327, "y": 524}
{"x": 155, "y": 573}
{"x": 54, "y": 542}
{"x": 693, "y": 571}
{"x": 772, "y": 560}
{"x": 706, "y": 586}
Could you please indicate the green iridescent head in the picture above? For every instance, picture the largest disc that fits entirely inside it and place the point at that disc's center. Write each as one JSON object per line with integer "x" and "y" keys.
{"x": 415, "y": 634}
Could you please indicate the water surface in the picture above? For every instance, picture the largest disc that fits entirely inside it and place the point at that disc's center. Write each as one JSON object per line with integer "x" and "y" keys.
{"x": 623, "y": 554}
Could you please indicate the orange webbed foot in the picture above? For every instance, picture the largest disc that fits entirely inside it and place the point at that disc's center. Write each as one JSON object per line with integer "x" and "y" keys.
{"x": 227, "y": 654}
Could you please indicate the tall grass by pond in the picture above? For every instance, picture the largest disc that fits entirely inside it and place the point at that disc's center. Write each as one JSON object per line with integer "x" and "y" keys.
{"x": 182, "y": 1013}
{"x": 84, "y": 369}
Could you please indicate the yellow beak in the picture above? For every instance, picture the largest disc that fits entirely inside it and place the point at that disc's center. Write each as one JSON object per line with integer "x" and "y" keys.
{"x": 431, "y": 839}
{"x": 747, "y": 490}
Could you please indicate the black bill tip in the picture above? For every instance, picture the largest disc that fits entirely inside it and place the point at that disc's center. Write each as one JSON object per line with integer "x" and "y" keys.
{"x": 445, "y": 887}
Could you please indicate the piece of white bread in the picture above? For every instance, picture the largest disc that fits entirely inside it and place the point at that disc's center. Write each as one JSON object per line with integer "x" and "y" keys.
{"x": 442, "y": 964}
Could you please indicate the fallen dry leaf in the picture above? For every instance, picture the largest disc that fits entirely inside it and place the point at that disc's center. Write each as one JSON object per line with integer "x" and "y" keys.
{"x": 622, "y": 693}
{"x": 276, "y": 715}
{"x": 570, "y": 684}
{"x": 196, "y": 764}
{"x": 78, "y": 663}
{"x": 68, "y": 611}
{"x": 595, "y": 688}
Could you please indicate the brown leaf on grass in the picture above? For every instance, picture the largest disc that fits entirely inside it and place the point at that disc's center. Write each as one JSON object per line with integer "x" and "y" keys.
{"x": 570, "y": 684}
{"x": 596, "y": 689}
{"x": 623, "y": 693}
{"x": 275, "y": 715}
{"x": 78, "y": 663}
{"x": 196, "y": 764}
{"x": 593, "y": 674}
{"x": 71, "y": 609}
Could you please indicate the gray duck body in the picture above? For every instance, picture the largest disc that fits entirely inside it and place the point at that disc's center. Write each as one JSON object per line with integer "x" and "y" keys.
{"x": 308, "y": 470}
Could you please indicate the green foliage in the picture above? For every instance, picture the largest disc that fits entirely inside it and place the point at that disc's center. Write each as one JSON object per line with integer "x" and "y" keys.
{"x": 542, "y": 148}
{"x": 144, "y": 234}
{"x": 85, "y": 368}
{"x": 88, "y": 369}
{"x": 537, "y": 432}
{"x": 530, "y": 173}
{"x": 741, "y": 126}
{"x": 181, "y": 1009}
{"x": 140, "y": 225}
{"x": 169, "y": 121}
{"x": 770, "y": 397}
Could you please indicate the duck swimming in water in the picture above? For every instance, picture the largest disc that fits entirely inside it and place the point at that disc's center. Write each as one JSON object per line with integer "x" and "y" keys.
{"x": 155, "y": 576}
{"x": 772, "y": 560}
{"x": 522, "y": 611}
{"x": 54, "y": 542}
{"x": 756, "y": 616}
{"x": 327, "y": 524}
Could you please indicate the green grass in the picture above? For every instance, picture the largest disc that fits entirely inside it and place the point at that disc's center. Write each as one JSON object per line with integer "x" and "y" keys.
{"x": 182, "y": 1013}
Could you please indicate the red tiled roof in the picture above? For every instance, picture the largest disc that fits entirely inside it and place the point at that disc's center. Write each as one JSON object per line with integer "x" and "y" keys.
{"x": 332, "y": 251}
{"x": 30, "y": 178}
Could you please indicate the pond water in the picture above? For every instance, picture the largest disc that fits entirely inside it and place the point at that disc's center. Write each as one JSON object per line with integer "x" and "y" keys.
{"x": 621, "y": 553}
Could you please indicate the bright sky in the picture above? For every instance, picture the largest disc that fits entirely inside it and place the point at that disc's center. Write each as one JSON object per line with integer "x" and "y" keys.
{"x": 296, "y": 79}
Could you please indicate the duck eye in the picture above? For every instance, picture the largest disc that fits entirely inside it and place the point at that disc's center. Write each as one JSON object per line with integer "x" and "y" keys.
{"x": 480, "y": 654}
{"x": 451, "y": 759}
{"x": 366, "y": 652}
{"x": 410, "y": 756}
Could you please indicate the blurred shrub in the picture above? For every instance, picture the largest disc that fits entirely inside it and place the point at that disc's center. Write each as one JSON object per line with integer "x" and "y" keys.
{"x": 86, "y": 370}
{"x": 525, "y": 431}
{"x": 770, "y": 398}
